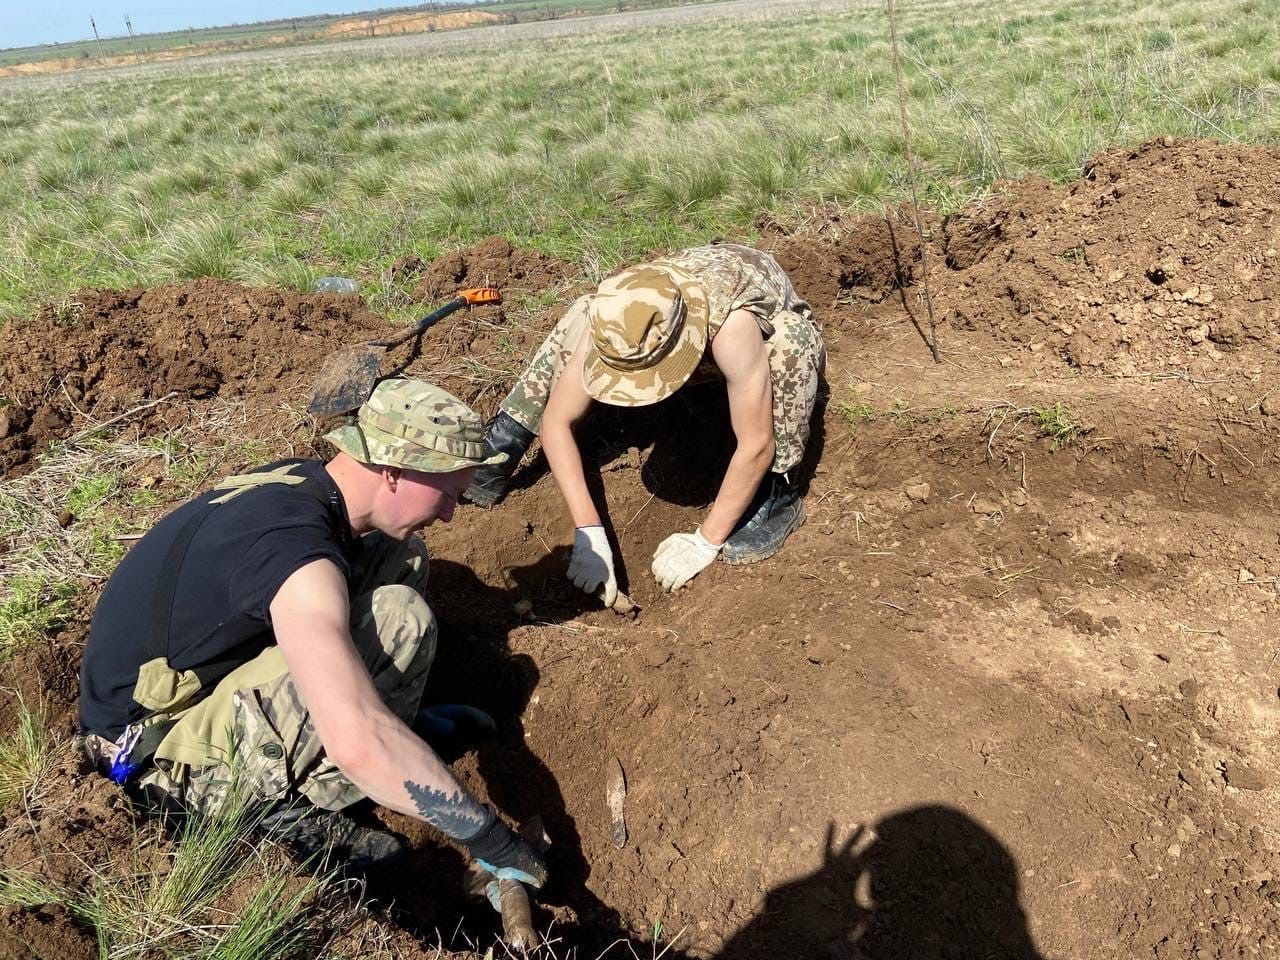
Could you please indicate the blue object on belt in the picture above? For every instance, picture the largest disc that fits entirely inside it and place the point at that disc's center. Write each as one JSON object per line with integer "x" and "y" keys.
{"x": 122, "y": 767}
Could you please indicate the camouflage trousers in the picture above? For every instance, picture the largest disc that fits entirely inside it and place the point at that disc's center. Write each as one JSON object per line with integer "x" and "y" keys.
{"x": 797, "y": 357}
{"x": 252, "y": 738}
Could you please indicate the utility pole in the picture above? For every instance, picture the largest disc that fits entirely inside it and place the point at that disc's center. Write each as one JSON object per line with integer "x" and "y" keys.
{"x": 97, "y": 38}
{"x": 132, "y": 40}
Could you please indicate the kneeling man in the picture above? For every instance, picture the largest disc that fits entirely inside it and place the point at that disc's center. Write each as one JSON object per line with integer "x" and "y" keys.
{"x": 270, "y": 638}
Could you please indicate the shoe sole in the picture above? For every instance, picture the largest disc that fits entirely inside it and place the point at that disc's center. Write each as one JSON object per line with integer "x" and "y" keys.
{"x": 741, "y": 559}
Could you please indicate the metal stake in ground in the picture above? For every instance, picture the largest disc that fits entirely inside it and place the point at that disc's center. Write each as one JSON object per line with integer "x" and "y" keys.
{"x": 911, "y": 174}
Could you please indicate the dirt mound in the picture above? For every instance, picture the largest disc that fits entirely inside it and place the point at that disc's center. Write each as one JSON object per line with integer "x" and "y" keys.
{"x": 107, "y": 351}
{"x": 44, "y": 677}
{"x": 493, "y": 263}
{"x": 859, "y": 259}
{"x": 42, "y": 933}
{"x": 86, "y": 821}
{"x": 1157, "y": 256}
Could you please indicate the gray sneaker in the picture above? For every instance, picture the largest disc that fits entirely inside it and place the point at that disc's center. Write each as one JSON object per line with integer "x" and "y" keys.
{"x": 774, "y": 513}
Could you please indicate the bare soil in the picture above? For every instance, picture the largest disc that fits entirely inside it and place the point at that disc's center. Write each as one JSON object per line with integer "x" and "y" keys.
{"x": 1001, "y": 696}
{"x": 44, "y": 932}
{"x": 105, "y": 352}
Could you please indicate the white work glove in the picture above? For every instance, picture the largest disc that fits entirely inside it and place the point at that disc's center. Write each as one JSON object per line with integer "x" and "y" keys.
{"x": 681, "y": 557}
{"x": 592, "y": 563}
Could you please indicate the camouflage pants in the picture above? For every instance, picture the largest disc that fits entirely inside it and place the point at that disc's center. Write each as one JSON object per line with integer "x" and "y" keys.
{"x": 797, "y": 357}
{"x": 253, "y": 735}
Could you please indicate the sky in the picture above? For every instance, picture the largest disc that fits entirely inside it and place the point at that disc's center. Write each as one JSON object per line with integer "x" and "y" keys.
{"x": 25, "y": 23}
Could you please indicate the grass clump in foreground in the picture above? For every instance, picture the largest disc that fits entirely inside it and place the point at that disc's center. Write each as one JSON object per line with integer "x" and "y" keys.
{"x": 185, "y": 909}
{"x": 33, "y": 607}
{"x": 219, "y": 894}
{"x": 26, "y": 757}
{"x": 597, "y": 146}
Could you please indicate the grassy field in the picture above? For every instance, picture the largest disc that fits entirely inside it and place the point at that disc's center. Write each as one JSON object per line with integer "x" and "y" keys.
{"x": 595, "y": 146}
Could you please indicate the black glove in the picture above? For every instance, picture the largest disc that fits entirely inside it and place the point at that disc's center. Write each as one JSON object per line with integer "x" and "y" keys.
{"x": 451, "y": 729}
{"x": 504, "y": 854}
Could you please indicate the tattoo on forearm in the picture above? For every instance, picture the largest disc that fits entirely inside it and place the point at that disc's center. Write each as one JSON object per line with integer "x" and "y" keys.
{"x": 456, "y": 815}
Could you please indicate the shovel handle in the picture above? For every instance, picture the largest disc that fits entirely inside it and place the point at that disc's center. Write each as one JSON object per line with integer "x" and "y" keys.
{"x": 481, "y": 295}
{"x": 517, "y": 921}
{"x": 466, "y": 298}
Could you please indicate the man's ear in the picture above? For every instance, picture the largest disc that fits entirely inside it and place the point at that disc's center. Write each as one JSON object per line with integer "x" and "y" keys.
{"x": 391, "y": 476}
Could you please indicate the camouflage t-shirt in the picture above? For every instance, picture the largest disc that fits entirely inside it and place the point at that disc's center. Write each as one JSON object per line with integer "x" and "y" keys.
{"x": 739, "y": 278}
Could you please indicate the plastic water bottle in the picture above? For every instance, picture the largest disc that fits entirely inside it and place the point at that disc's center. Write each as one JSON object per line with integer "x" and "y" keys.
{"x": 336, "y": 285}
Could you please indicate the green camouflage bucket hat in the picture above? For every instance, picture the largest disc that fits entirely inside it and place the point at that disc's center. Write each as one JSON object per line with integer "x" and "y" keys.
{"x": 648, "y": 334}
{"x": 417, "y": 426}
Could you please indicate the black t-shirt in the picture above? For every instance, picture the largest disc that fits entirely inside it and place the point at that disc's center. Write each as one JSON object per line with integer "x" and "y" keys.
{"x": 239, "y": 556}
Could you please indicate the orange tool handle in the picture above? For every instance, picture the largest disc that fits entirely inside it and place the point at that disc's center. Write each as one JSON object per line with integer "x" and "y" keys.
{"x": 481, "y": 295}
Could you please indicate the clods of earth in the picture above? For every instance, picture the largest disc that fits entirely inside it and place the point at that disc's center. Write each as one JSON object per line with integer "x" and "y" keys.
{"x": 1012, "y": 690}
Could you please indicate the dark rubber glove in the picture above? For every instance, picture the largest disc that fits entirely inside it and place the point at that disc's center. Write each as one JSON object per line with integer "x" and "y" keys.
{"x": 504, "y": 854}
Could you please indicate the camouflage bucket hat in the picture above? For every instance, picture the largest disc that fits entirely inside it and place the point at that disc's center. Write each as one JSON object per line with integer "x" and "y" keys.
{"x": 648, "y": 334}
{"x": 417, "y": 426}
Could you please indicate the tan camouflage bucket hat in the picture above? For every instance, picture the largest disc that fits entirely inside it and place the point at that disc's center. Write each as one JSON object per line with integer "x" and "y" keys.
{"x": 417, "y": 426}
{"x": 648, "y": 334}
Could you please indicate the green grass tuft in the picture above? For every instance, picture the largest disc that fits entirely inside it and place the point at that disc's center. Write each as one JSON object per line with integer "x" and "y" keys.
{"x": 855, "y": 414}
{"x": 26, "y": 757}
{"x": 33, "y": 606}
{"x": 89, "y": 492}
{"x": 1056, "y": 423}
{"x": 204, "y": 247}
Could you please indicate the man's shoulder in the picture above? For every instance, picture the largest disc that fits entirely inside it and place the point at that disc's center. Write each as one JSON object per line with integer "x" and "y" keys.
{"x": 303, "y": 483}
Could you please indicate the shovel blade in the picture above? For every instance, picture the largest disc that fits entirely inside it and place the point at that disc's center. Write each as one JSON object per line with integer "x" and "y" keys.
{"x": 346, "y": 380}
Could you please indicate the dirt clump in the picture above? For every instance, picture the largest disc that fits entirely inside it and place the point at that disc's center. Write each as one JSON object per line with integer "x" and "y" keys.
{"x": 857, "y": 259}
{"x": 404, "y": 267}
{"x": 87, "y": 821}
{"x": 493, "y": 262}
{"x": 108, "y": 350}
{"x": 44, "y": 678}
{"x": 43, "y": 933}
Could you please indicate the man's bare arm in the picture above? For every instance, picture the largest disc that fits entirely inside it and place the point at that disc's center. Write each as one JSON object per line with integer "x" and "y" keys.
{"x": 370, "y": 744}
{"x": 740, "y": 353}
{"x": 567, "y": 405}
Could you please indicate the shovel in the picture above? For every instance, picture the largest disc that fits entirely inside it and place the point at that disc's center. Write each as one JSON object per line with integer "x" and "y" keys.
{"x": 510, "y": 896}
{"x": 349, "y": 375}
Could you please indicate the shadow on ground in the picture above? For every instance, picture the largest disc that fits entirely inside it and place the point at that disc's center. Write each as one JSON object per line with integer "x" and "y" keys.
{"x": 927, "y": 883}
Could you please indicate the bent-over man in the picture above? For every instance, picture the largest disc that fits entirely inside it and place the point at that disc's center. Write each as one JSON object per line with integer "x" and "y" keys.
{"x": 637, "y": 340}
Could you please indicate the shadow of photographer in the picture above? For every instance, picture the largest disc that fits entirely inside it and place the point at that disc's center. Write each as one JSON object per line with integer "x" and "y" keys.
{"x": 925, "y": 883}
